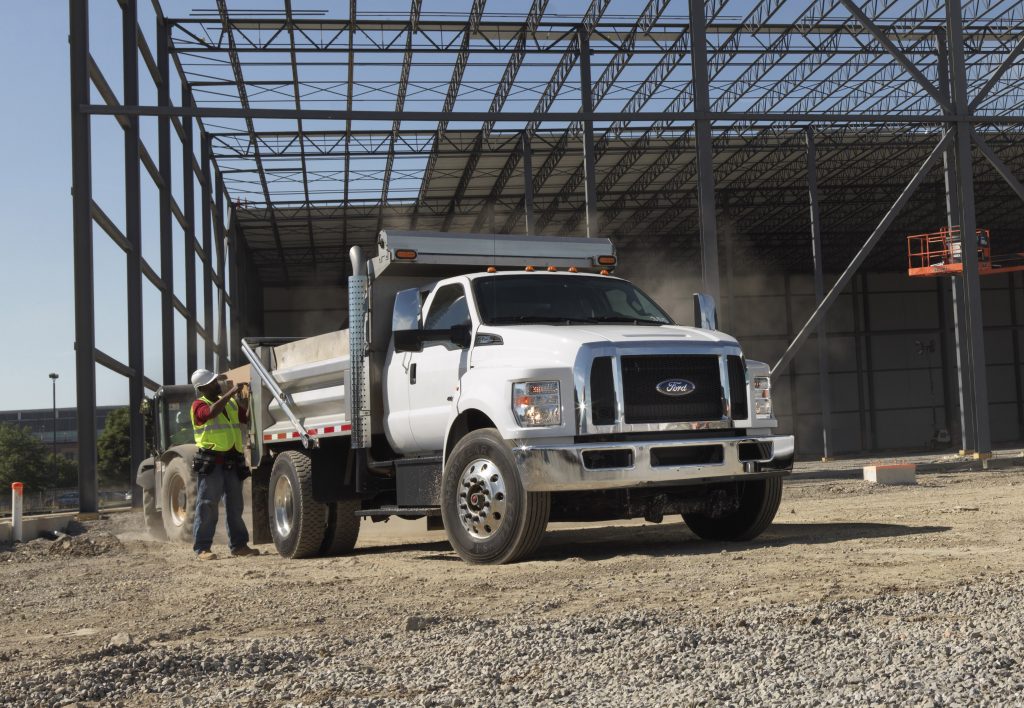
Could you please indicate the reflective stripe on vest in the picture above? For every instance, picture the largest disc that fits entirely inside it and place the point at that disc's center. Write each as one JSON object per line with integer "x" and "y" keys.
{"x": 222, "y": 433}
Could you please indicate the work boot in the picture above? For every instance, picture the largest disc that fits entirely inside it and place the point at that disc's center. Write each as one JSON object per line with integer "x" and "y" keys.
{"x": 244, "y": 551}
{"x": 206, "y": 556}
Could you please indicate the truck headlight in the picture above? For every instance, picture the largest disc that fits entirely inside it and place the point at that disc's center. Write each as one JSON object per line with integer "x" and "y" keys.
{"x": 762, "y": 386}
{"x": 537, "y": 403}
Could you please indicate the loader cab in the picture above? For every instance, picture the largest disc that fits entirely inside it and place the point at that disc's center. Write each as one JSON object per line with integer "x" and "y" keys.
{"x": 169, "y": 418}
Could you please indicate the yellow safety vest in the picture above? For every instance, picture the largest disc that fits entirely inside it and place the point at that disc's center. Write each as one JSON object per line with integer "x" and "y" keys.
{"x": 219, "y": 434}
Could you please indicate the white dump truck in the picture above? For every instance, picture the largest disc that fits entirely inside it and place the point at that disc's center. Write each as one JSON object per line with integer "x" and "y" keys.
{"x": 491, "y": 384}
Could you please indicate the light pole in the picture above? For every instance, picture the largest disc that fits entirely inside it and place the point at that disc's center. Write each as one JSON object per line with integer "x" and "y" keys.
{"x": 54, "y": 377}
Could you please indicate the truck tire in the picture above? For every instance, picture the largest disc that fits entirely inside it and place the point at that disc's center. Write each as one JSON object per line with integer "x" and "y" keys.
{"x": 488, "y": 516}
{"x": 759, "y": 501}
{"x": 342, "y": 527}
{"x": 297, "y": 521}
{"x": 178, "y": 494}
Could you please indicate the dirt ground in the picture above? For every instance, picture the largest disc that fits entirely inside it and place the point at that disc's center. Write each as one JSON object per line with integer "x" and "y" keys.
{"x": 832, "y": 539}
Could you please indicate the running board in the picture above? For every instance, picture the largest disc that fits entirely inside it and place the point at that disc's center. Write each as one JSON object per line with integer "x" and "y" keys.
{"x": 401, "y": 511}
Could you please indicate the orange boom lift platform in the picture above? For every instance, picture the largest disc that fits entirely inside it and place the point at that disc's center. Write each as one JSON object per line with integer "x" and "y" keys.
{"x": 940, "y": 253}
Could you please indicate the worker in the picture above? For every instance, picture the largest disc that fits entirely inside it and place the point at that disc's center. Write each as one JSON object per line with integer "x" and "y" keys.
{"x": 219, "y": 465}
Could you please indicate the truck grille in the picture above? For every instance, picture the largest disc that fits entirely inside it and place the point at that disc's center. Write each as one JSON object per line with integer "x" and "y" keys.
{"x": 737, "y": 387}
{"x": 602, "y": 392}
{"x": 641, "y": 376}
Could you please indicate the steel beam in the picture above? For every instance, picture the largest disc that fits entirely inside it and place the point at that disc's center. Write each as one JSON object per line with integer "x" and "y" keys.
{"x": 133, "y": 236}
{"x": 496, "y": 114}
{"x": 207, "y": 216}
{"x": 824, "y": 384}
{"x": 1001, "y": 167}
{"x": 237, "y": 302}
{"x": 589, "y": 161}
{"x": 531, "y": 226}
{"x": 221, "y": 238}
{"x": 301, "y": 131}
{"x": 81, "y": 217}
{"x": 166, "y": 232}
{"x": 819, "y": 312}
{"x": 189, "y": 210}
{"x": 705, "y": 157}
{"x": 968, "y": 235}
{"x": 961, "y": 334}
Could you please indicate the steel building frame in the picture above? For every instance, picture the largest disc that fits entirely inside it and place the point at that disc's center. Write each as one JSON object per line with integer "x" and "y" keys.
{"x": 808, "y": 124}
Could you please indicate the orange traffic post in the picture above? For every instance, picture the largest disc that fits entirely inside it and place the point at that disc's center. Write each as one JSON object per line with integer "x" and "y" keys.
{"x": 17, "y": 492}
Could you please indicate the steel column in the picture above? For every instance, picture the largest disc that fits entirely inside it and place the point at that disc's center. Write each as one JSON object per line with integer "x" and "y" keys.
{"x": 231, "y": 247}
{"x": 968, "y": 235}
{"x": 133, "y": 232}
{"x": 825, "y": 391}
{"x": 207, "y": 216}
{"x": 869, "y": 363}
{"x": 589, "y": 159}
{"x": 189, "y": 208}
{"x": 705, "y": 157}
{"x": 81, "y": 216}
{"x": 965, "y": 389}
{"x": 531, "y": 225}
{"x": 166, "y": 232}
{"x": 218, "y": 231}
{"x": 1018, "y": 380}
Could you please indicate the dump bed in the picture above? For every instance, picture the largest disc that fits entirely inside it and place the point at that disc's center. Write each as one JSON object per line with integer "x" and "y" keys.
{"x": 312, "y": 375}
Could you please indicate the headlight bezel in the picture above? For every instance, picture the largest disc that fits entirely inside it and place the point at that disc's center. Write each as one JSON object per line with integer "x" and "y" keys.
{"x": 537, "y": 403}
{"x": 761, "y": 388}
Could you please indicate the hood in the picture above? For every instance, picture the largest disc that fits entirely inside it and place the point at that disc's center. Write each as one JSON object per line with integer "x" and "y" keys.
{"x": 558, "y": 345}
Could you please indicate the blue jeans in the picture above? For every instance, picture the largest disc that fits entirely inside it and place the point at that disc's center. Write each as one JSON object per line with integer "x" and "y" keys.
{"x": 218, "y": 483}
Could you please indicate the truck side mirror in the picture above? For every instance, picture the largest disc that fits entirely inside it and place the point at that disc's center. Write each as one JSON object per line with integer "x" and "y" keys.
{"x": 406, "y": 313}
{"x": 460, "y": 335}
{"x": 408, "y": 340}
{"x": 704, "y": 315}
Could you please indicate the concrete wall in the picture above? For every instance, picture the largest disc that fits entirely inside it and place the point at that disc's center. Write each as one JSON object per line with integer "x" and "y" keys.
{"x": 304, "y": 311}
{"x": 890, "y": 355}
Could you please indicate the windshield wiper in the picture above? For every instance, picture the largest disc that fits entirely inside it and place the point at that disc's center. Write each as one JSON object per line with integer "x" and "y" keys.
{"x": 539, "y": 319}
{"x": 629, "y": 320}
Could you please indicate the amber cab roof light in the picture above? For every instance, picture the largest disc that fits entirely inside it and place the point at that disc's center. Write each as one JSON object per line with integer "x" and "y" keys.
{"x": 605, "y": 272}
{"x": 573, "y": 269}
{"x": 492, "y": 269}
{"x": 405, "y": 254}
{"x": 552, "y": 269}
{"x": 530, "y": 269}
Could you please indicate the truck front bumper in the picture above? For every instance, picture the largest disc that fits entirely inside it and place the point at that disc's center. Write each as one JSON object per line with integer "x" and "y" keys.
{"x": 621, "y": 465}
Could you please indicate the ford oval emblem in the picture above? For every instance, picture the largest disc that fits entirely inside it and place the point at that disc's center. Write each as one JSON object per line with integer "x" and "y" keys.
{"x": 676, "y": 387}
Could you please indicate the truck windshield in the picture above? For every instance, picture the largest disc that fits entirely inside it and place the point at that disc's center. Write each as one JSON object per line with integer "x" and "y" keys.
{"x": 564, "y": 299}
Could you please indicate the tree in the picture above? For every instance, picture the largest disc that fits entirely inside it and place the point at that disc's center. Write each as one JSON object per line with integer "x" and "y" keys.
{"x": 114, "y": 452}
{"x": 23, "y": 459}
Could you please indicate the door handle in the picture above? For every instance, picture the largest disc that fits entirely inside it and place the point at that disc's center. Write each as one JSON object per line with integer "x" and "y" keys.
{"x": 412, "y": 373}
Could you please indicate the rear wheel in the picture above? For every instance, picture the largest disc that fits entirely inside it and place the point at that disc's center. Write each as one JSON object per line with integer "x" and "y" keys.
{"x": 178, "y": 495}
{"x": 342, "y": 527}
{"x": 488, "y": 516}
{"x": 759, "y": 501}
{"x": 298, "y": 522}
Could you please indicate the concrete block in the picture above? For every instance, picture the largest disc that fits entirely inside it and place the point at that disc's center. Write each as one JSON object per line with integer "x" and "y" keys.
{"x": 32, "y": 526}
{"x": 891, "y": 474}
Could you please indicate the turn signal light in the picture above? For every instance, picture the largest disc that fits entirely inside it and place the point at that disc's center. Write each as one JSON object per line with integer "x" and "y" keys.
{"x": 405, "y": 255}
{"x": 606, "y": 260}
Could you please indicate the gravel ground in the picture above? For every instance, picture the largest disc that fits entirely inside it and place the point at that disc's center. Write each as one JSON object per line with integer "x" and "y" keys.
{"x": 857, "y": 596}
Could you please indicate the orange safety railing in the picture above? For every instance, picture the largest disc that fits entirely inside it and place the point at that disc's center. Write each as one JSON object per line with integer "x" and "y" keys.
{"x": 940, "y": 252}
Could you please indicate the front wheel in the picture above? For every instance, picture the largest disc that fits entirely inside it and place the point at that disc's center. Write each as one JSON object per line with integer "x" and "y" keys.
{"x": 179, "y": 492}
{"x": 298, "y": 522}
{"x": 488, "y": 516}
{"x": 758, "y": 503}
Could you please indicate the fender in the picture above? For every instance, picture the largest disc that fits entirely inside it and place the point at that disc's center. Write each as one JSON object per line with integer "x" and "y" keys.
{"x": 145, "y": 477}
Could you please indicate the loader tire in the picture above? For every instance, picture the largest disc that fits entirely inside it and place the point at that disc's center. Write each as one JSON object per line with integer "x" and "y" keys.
{"x": 178, "y": 494}
{"x": 759, "y": 501}
{"x": 488, "y": 516}
{"x": 151, "y": 515}
{"x": 342, "y": 527}
{"x": 298, "y": 522}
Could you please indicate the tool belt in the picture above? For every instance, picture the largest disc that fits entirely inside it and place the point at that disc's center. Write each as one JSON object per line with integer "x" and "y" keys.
{"x": 232, "y": 461}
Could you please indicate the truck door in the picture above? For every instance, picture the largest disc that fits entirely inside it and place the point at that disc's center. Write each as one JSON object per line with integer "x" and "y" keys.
{"x": 436, "y": 371}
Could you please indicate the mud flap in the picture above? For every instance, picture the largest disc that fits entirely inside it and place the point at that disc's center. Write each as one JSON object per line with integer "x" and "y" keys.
{"x": 260, "y": 513}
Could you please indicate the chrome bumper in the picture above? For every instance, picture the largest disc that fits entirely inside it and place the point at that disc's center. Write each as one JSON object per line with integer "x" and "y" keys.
{"x": 556, "y": 468}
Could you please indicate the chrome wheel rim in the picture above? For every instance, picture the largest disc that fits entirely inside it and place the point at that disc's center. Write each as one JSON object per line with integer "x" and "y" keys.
{"x": 284, "y": 506}
{"x": 178, "y": 497}
{"x": 482, "y": 499}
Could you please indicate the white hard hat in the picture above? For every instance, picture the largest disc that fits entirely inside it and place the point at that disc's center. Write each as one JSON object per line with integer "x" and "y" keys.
{"x": 202, "y": 377}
